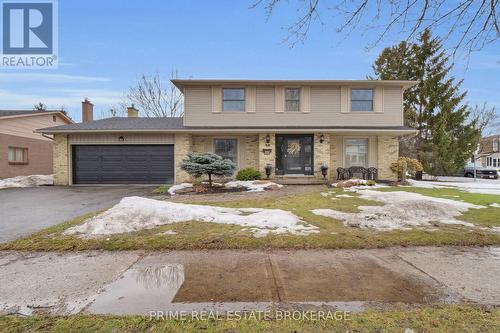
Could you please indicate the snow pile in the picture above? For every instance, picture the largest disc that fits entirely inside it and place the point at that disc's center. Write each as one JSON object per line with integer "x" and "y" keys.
{"x": 350, "y": 182}
{"x": 482, "y": 186}
{"x": 179, "y": 187}
{"x": 253, "y": 185}
{"x": 27, "y": 181}
{"x": 137, "y": 213}
{"x": 401, "y": 211}
{"x": 494, "y": 205}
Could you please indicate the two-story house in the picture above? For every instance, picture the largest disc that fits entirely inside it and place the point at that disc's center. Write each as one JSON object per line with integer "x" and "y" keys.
{"x": 296, "y": 126}
{"x": 490, "y": 151}
{"x": 22, "y": 151}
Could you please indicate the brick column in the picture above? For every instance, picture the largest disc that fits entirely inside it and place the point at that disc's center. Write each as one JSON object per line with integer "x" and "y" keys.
{"x": 181, "y": 149}
{"x": 60, "y": 154}
{"x": 388, "y": 152}
{"x": 267, "y": 159}
{"x": 322, "y": 154}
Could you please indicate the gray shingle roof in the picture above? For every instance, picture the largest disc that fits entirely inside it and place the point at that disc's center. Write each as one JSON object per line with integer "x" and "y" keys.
{"x": 122, "y": 123}
{"x": 5, "y": 113}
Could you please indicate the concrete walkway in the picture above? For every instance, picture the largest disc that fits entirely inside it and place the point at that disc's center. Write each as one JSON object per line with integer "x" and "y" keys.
{"x": 138, "y": 282}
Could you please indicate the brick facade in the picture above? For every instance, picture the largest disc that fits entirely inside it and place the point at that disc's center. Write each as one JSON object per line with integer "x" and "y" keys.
{"x": 183, "y": 145}
{"x": 322, "y": 154}
{"x": 387, "y": 153}
{"x": 61, "y": 159}
{"x": 265, "y": 159}
{"x": 250, "y": 154}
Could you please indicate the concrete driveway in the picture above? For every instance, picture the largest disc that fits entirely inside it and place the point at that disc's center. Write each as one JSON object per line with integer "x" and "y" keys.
{"x": 27, "y": 210}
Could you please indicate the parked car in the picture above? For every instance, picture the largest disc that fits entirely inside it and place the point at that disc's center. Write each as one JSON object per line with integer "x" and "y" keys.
{"x": 481, "y": 172}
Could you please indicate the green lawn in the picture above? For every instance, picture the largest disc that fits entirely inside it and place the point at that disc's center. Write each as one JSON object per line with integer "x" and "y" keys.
{"x": 333, "y": 234}
{"x": 444, "y": 318}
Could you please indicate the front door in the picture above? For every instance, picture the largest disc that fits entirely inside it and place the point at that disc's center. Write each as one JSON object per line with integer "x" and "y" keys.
{"x": 294, "y": 154}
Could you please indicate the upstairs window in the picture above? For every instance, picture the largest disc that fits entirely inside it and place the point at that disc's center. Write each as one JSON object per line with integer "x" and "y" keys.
{"x": 292, "y": 99}
{"x": 495, "y": 144}
{"x": 17, "y": 155}
{"x": 362, "y": 100}
{"x": 227, "y": 148}
{"x": 233, "y": 99}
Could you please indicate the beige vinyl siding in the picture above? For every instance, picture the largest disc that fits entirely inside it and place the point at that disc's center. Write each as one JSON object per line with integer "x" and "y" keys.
{"x": 25, "y": 126}
{"x": 326, "y": 108}
{"x": 130, "y": 139}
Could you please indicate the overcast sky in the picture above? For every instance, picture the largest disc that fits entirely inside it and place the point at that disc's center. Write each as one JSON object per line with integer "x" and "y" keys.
{"x": 105, "y": 45}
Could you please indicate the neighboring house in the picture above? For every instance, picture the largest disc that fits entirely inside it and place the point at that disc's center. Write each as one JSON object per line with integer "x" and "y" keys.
{"x": 294, "y": 126}
{"x": 490, "y": 151}
{"x": 22, "y": 151}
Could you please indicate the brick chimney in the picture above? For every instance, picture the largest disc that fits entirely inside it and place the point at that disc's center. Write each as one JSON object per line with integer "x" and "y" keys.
{"x": 87, "y": 111}
{"x": 132, "y": 112}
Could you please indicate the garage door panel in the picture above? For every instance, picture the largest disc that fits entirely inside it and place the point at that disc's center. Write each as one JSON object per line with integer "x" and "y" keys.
{"x": 123, "y": 164}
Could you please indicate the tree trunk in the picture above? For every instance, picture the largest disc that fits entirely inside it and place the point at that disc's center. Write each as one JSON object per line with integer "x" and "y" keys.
{"x": 210, "y": 180}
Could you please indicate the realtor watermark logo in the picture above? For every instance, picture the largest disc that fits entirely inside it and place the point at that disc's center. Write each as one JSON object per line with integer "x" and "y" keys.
{"x": 29, "y": 34}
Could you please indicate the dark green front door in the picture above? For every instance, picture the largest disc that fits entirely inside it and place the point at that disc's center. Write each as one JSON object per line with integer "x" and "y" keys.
{"x": 294, "y": 154}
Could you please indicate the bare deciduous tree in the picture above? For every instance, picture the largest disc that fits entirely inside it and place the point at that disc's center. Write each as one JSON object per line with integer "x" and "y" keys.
{"x": 114, "y": 111}
{"x": 487, "y": 119}
{"x": 155, "y": 97}
{"x": 468, "y": 25}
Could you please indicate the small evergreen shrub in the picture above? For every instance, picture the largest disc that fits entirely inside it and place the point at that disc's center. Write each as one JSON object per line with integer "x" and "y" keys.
{"x": 248, "y": 174}
{"x": 207, "y": 164}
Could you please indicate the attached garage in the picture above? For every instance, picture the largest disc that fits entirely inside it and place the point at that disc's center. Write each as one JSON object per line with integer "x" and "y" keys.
{"x": 123, "y": 164}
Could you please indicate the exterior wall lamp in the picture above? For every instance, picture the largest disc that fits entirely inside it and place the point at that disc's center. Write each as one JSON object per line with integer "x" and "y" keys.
{"x": 268, "y": 138}
{"x": 321, "y": 138}
{"x": 121, "y": 139}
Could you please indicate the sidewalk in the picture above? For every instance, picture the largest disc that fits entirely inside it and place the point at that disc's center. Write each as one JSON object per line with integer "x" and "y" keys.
{"x": 138, "y": 282}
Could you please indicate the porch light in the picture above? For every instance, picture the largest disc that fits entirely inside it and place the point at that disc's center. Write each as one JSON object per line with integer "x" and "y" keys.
{"x": 324, "y": 170}
{"x": 121, "y": 139}
{"x": 321, "y": 138}
{"x": 269, "y": 169}
{"x": 268, "y": 138}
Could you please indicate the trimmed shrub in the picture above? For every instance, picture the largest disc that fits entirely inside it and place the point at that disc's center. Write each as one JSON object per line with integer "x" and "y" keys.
{"x": 248, "y": 174}
{"x": 412, "y": 166}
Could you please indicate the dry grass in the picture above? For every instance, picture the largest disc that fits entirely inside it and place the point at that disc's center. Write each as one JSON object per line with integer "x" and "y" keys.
{"x": 440, "y": 318}
{"x": 333, "y": 235}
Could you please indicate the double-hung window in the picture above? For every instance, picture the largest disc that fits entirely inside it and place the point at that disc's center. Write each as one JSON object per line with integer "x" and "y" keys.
{"x": 356, "y": 152}
{"x": 17, "y": 155}
{"x": 233, "y": 99}
{"x": 227, "y": 148}
{"x": 292, "y": 99}
{"x": 362, "y": 100}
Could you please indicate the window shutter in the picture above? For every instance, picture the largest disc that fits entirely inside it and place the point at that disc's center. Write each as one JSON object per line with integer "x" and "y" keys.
{"x": 216, "y": 99}
{"x": 279, "y": 99}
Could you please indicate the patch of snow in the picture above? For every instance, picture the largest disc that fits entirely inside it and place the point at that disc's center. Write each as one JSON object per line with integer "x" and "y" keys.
{"x": 27, "y": 181}
{"x": 252, "y": 185}
{"x": 482, "y": 186}
{"x": 137, "y": 213}
{"x": 178, "y": 187}
{"x": 350, "y": 182}
{"x": 494, "y": 205}
{"x": 168, "y": 232}
{"x": 401, "y": 210}
{"x": 345, "y": 196}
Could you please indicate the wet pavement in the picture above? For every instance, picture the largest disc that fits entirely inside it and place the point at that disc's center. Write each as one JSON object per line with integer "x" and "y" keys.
{"x": 137, "y": 282}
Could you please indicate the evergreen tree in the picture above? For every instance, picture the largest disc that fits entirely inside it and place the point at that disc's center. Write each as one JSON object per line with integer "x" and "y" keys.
{"x": 434, "y": 107}
{"x": 199, "y": 164}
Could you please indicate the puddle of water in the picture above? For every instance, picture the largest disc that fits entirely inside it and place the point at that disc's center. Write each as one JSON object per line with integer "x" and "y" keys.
{"x": 151, "y": 287}
{"x": 258, "y": 281}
